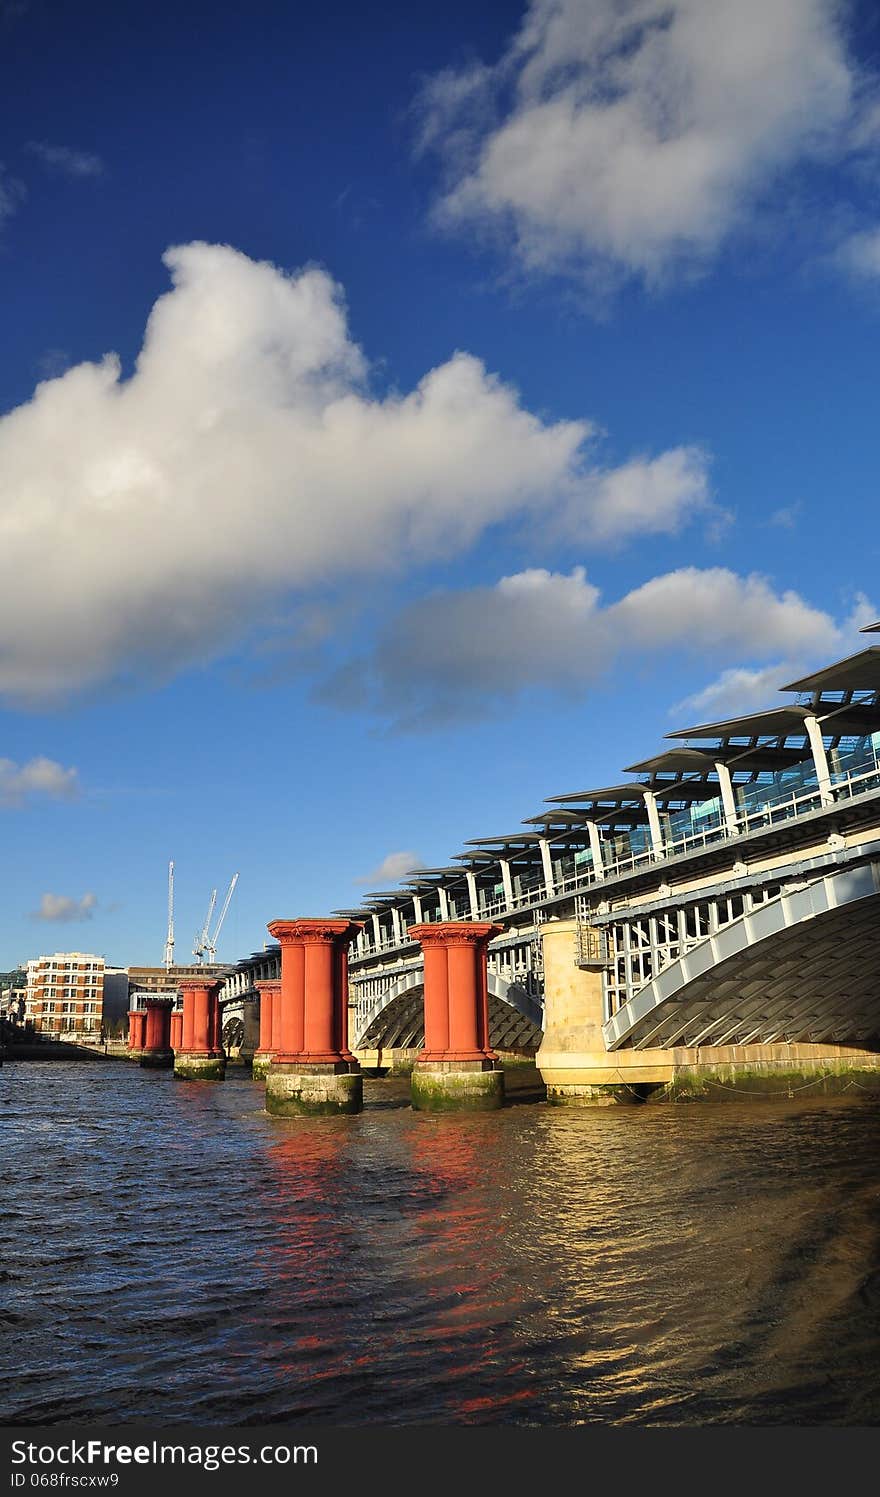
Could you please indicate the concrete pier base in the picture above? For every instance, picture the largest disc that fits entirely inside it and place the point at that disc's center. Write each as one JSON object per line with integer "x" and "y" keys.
{"x": 260, "y": 1066}
{"x": 157, "y": 1060}
{"x": 298, "y": 1089}
{"x": 209, "y": 1066}
{"x": 457, "y": 1086}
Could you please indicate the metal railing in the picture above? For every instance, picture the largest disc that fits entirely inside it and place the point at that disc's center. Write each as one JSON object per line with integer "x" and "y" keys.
{"x": 843, "y": 786}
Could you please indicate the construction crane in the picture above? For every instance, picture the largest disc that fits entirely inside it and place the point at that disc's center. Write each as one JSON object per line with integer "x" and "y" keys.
{"x": 206, "y": 945}
{"x": 201, "y": 945}
{"x": 169, "y": 939}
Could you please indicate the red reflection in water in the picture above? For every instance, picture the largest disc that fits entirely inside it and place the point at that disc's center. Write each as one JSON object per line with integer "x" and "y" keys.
{"x": 465, "y": 1269}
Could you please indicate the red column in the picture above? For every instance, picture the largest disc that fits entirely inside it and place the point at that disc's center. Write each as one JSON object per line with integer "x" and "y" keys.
{"x": 136, "y": 1023}
{"x": 176, "y": 1028}
{"x": 201, "y": 1017}
{"x": 268, "y": 991}
{"x": 158, "y": 1025}
{"x": 288, "y": 1010}
{"x": 313, "y": 996}
{"x": 456, "y": 990}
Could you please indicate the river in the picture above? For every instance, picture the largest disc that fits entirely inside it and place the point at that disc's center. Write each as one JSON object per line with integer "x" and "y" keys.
{"x": 171, "y": 1254}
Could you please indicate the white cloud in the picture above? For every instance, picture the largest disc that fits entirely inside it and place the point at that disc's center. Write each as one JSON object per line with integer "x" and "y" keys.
{"x": 11, "y": 194}
{"x": 246, "y": 458}
{"x": 39, "y": 776}
{"x": 859, "y": 255}
{"x": 453, "y": 656}
{"x": 62, "y": 908}
{"x": 634, "y": 136}
{"x": 66, "y": 160}
{"x": 736, "y": 691}
{"x": 392, "y": 869}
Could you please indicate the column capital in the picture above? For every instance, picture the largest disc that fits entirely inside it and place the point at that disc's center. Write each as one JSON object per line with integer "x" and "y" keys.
{"x": 270, "y": 985}
{"x": 455, "y": 932}
{"x": 305, "y": 930}
{"x": 200, "y": 984}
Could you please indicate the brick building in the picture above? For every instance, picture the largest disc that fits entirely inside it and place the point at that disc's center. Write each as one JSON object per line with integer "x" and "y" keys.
{"x": 65, "y": 994}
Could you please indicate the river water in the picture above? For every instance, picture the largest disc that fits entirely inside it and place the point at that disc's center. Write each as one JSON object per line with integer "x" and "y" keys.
{"x": 171, "y": 1254}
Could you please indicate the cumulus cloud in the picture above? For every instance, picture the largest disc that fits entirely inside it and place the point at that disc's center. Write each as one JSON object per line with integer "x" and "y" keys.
{"x": 634, "y": 136}
{"x": 246, "y": 459}
{"x": 453, "y": 656}
{"x": 62, "y": 908}
{"x": 66, "y": 160}
{"x": 392, "y": 869}
{"x": 40, "y": 776}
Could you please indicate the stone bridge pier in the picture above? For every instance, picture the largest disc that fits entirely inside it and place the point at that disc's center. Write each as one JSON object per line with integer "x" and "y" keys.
{"x": 201, "y": 1056}
{"x": 456, "y": 1069}
{"x": 312, "y": 1070}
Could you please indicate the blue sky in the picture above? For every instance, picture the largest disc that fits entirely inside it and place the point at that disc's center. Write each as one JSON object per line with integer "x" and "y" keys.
{"x": 494, "y": 391}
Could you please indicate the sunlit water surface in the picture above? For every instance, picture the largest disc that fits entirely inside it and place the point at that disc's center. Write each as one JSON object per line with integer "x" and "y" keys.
{"x": 169, "y": 1253}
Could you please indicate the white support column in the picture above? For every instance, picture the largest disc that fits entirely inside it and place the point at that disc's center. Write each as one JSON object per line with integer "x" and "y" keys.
{"x": 473, "y": 897}
{"x": 377, "y": 932}
{"x": 820, "y": 759}
{"x": 361, "y": 942}
{"x": 547, "y": 863}
{"x": 596, "y": 849}
{"x": 395, "y": 923}
{"x": 507, "y": 881}
{"x": 444, "y": 903}
{"x": 728, "y": 800}
{"x": 654, "y": 828}
{"x": 417, "y": 907}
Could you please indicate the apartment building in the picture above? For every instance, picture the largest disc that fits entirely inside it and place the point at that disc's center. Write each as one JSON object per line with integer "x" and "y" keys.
{"x": 65, "y": 994}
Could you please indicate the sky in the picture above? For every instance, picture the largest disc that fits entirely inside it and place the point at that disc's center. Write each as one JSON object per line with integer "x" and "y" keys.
{"x": 408, "y": 413}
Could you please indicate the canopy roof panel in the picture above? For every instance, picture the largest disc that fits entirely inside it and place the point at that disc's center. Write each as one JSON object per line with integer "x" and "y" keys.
{"x": 859, "y": 672}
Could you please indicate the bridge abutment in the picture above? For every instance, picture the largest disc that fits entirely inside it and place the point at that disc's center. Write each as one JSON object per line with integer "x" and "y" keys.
{"x": 312, "y": 1070}
{"x": 201, "y": 1056}
{"x": 578, "y": 1069}
{"x": 456, "y": 1070}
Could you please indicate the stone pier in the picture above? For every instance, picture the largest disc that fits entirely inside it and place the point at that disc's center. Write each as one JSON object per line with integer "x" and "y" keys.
{"x": 201, "y": 1056}
{"x": 312, "y": 1070}
{"x": 270, "y": 1019}
{"x": 456, "y": 1070}
{"x": 157, "y": 1054}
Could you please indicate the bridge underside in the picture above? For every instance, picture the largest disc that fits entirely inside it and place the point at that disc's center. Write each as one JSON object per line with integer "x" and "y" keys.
{"x": 816, "y": 982}
{"x": 401, "y": 1026}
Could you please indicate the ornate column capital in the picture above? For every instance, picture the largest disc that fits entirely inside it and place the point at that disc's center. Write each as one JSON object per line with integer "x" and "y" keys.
{"x": 307, "y": 930}
{"x": 455, "y": 933}
{"x": 200, "y": 984}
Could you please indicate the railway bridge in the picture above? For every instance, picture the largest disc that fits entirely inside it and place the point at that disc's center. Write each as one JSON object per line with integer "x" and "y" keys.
{"x": 712, "y": 919}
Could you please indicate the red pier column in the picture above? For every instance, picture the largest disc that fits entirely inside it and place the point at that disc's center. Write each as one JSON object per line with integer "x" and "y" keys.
{"x": 176, "y": 1040}
{"x": 270, "y": 1017}
{"x": 457, "y": 1068}
{"x": 201, "y": 1056}
{"x": 157, "y": 1053}
{"x": 137, "y": 1022}
{"x": 312, "y": 1068}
